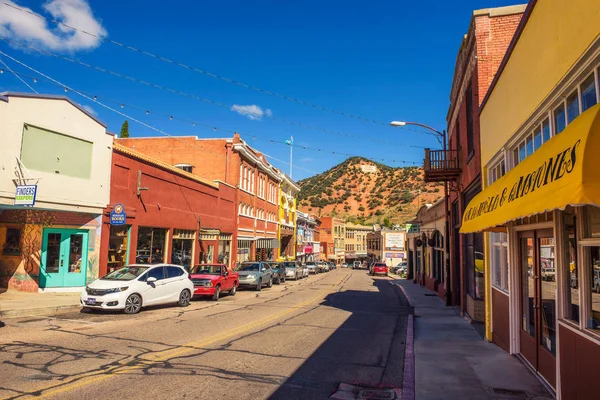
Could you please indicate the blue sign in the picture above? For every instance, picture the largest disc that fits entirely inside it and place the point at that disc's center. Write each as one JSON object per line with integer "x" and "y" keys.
{"x": 118, "y": 216}
{"x": 25, "y": 195}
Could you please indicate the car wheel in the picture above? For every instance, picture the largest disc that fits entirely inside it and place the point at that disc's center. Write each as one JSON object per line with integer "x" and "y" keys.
{"x": 278, "y": 281}
{"x": 133, "y": 304}
{"x": 270, "y": 282}
{"x": 259, "y": 285}
{"x": 283, "y": 281}
{"x": 217, "y": 293}
{"x": 233, "y": 290}
{"x": 184, "y": 298}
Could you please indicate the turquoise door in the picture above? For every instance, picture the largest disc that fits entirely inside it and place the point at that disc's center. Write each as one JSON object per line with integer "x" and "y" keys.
{"x": 64, "y": 258}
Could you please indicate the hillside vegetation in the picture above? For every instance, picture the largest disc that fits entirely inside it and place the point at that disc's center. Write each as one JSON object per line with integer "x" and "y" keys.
{"x": 387, "y": 195}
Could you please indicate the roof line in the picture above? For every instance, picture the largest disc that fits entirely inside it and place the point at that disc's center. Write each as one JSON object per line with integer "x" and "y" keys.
{"x": 511, "y": 47}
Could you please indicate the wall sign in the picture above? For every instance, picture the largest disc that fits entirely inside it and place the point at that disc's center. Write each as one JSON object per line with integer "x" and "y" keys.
{"x": 118, "y": 216}
{"x": 25, "y": 195}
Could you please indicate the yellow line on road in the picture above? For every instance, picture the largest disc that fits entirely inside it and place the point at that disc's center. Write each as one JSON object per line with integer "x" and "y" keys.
{"x": 178, "y": 351}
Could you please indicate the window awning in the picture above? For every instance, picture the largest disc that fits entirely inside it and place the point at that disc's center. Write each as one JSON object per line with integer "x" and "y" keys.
{"x": 564, "y": 171}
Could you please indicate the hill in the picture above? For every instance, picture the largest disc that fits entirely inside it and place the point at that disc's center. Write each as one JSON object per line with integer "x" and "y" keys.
{"x": 365, "y": 191}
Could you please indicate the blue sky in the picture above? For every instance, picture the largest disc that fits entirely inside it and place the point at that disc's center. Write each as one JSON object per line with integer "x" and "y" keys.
{"x": 381, "y": 60}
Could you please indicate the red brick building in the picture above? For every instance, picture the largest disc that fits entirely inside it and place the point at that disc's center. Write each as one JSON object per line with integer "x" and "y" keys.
{"x": 478, "y": 59}
{"x": 172, "y": 216}
{"x": 229, "y": 162}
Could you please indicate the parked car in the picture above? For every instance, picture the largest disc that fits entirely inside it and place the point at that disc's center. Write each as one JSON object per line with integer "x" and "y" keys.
{"x": 323, "y": 266}
{"x": 305, "y": 272}
{"x": 379, "y": 268}
{"x": 548, "y": 273}
{"x": 356, "y": 265}
{"x": 293, "y": 270}
{"x": 212, "y": 279}
{"x": 312, "y": 268}
{"x": 135, "y": 286}
{"x": 344, "y": 265}
{"x": 278, "y": 272}
{"x": 399, "y": 268}
{"x": 255, "y": 274}
{"x": 332, "y": 266}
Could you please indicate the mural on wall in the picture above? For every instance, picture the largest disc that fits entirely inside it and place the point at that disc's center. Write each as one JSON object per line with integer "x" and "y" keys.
{"x": 94, "y": 249}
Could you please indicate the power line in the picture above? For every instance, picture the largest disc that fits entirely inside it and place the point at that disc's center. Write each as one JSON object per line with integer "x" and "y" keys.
{"x": 17, "y": 76}
{"x": 96, "y": 101}
{"x": 173, "y": 117}
{"x": 202, "y": 71}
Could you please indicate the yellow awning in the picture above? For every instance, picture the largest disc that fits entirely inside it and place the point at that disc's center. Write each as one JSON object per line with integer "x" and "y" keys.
{"x": 564, "y": 171}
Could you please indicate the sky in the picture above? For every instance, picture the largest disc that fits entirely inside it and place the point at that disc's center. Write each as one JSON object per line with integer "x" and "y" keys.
{"x": 347, "y": 68}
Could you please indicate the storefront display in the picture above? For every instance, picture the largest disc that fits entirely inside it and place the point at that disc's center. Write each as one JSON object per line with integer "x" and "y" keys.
{"x": 151, "y": 245}
{"x": 183, "y": 245}
{"x": 117, "y": 247}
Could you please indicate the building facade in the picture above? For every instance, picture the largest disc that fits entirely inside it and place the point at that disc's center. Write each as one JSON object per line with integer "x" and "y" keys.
{"x": 356, "y": 242}
{"x": 540, "y": 207}
{"x": 234, "y": 162}
{"x": 286, "y": 232}
{"x": 307, "y": 244}
{"x": 479, "y": 56}
{"x": 54, "y": 185}
{"x": 333, "y": 236}
{"x": 171, "y": 216}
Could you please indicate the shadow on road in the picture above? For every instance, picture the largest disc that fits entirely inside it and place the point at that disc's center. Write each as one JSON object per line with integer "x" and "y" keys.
{"x": 366, "y": 350}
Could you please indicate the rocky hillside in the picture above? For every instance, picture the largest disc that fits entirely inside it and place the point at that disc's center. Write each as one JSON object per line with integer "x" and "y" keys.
{"x": 368, "y": 192}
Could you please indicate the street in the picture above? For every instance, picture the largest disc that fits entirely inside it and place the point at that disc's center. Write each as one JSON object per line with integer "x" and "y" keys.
{"x": 298, "y": 340}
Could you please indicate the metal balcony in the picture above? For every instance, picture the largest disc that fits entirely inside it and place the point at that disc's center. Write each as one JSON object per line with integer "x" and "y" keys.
{"x": 441, "y": 165}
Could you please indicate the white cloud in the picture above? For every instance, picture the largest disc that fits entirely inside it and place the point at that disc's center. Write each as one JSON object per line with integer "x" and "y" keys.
{"x": 252, "y": 111}
{"x": 34, "y": 30}
{"x": 90, "y": 110}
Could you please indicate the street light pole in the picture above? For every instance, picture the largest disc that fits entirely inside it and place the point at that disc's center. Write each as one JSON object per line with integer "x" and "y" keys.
{"x": 442, "y": 138}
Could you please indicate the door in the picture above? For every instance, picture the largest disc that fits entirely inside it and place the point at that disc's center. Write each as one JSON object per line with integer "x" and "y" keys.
{"x": 157, "y": 290}
{"x": 173, "y": 283}
{"x": 538, "y": 301}
{"x": 64, "y": 258}
{"x": 228, "y": 278}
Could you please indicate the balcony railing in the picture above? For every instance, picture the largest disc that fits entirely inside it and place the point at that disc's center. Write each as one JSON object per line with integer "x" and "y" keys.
{"x": 441, "y": 165}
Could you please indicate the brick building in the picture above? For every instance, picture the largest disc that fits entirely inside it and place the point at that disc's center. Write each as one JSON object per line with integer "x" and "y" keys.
{"x": 478, "y": 59}
{"x": 233, "y": 162}
{"x": 172, "y": 216}
{"x": 333, "y": 237}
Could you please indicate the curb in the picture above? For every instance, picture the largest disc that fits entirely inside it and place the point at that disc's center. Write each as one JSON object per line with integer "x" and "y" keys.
{"x": 33, "y": 312}
{"x": 405, "y": 293}
{"x": 408, "y": 377}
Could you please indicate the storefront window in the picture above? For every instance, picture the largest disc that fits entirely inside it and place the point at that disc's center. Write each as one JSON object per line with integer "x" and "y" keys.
{"x": 183, "y": 244}
{"x": 572, "y": 299}
{"x": 151, "y": 246}
{"x": 527, "y": 286}
{"x": 548, "y": 292}
{"x": 12, "y": 244}
{"x": 224, "y": 251}
{"x": 499, "y": 259}
{"x": 594, "y": 320}
{"x": 206, "y": 256}
{"x": 117, "y": 247}
{"x": 593, "y": 217}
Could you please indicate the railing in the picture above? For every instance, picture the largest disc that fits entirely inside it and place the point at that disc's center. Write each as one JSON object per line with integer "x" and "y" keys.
{"x": 441, "y": 164}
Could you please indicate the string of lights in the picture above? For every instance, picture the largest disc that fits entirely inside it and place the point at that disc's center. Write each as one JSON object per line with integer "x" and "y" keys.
{"x": 202, "y": 99}
{"x": 202, "y": 71}
{"x": 171, "y": 117}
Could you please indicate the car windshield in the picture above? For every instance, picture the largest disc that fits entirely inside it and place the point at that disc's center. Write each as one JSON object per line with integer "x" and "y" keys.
{"x": 125, "y": 274}
{"x": 289, "y": 264}
{"x": 207, "y": 269}
{"x": 248, "y": 267}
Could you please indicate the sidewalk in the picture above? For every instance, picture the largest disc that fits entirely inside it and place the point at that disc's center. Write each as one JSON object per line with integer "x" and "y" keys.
{"x": 451, "y": 361}
{"x": 23, "y": 304}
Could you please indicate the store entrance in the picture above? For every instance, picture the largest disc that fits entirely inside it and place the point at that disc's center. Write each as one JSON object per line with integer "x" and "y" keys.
{"x": 64, "y": 258}
{"x": 537, "y": 269}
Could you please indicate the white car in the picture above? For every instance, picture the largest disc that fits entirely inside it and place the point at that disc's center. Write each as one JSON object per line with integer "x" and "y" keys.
{"x": 135, "y": 286}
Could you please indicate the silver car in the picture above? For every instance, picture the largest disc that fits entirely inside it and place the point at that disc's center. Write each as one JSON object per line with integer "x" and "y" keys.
{"x": 255, "y": 274}
{"x": 312, "y": 268}
{"x": 293, "y": 270}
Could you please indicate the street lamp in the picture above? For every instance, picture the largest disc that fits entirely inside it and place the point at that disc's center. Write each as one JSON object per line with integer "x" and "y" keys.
{"x": 441, "y": 137}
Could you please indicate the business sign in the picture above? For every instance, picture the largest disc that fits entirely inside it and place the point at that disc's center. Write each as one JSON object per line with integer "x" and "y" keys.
{"x": 308, "y": 249}
{"x": 118, "y": 216}
{"x": 400, "y": 254}
{"x": 394, "y": 240}
{"x": 413, "y": 228}
{"x": 25, "y": 195}
{"x": 243, "y": 251}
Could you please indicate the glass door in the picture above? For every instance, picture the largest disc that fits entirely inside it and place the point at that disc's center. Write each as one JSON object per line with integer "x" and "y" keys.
{"x": 64, "y": 258}
{"x": 538, "y": 301}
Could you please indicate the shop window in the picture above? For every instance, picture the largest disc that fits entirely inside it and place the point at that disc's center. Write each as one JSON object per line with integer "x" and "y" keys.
{"x": 117, "y": 247}
{"x": 572, "y": 107}
{"x": 572, "y": 277}
{"x": 499, "y": 260}
{"x": 224, "y": 250}
{"x": 588, "y": 93}
{"x": 151, "y": 246}
{"x": 594, "y": 299}
{"x": 183, "y": 245}
{"x": 12, "y": 244}
{"x": 438, "y": 256}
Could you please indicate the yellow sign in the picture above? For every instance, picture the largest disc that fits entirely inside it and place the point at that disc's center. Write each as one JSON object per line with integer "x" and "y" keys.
{"x": 564, "y": 171}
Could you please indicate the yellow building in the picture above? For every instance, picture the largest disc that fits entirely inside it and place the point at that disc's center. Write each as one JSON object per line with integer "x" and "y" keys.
{"x": 356, "y": 242}
{"x": 540, "y": 207}
{"x": 286, "y": 230}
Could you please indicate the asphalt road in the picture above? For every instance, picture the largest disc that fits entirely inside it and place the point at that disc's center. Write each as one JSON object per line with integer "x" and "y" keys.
{"x": 297, "y": 340}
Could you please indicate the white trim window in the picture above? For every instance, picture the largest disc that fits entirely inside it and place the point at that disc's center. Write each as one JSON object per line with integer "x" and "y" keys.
{"x": 499, "y": 241}
{"x": 552, "y": 122}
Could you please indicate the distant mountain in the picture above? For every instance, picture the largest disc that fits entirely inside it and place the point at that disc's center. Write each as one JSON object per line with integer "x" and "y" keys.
{"x": 365, "y": 191}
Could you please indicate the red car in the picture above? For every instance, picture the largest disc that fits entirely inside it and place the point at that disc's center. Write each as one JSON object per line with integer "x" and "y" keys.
{"x": 213, "y": 279}
{"x": 379, "y": 269}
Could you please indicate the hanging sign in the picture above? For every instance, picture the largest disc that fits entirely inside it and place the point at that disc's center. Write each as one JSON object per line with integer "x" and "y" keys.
{"x": 25, "y": 195}
{"x": 118, "y": 216}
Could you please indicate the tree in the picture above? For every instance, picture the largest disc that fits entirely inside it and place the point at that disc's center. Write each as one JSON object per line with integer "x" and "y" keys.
{"x": 124, "y": 130}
